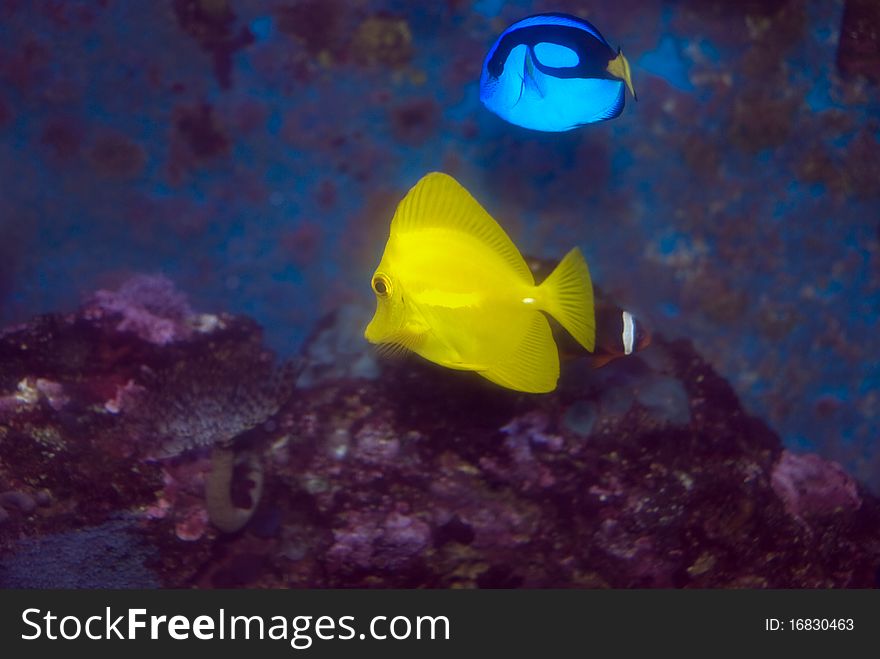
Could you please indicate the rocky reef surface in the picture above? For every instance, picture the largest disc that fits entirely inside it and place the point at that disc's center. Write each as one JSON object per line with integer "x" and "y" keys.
{"x": 134, "y": 429}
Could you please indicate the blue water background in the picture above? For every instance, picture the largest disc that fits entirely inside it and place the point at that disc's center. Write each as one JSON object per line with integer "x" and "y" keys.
{"x": 698, "y": 208}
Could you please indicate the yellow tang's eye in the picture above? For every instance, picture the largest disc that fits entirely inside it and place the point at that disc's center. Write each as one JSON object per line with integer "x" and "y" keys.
{"x": 382, "y": 285}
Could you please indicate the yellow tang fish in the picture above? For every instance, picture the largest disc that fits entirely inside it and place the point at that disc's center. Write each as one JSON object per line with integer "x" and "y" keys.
{"x": 453, "y": 288}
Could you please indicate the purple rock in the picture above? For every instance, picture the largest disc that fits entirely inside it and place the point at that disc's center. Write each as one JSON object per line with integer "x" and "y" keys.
{"x": 810, "y": 485}
{"x": 376, "y": 444}
{"x": 21, "y": 500}
{"x": 149, "y": 306}
{"x": 858, "y": 51}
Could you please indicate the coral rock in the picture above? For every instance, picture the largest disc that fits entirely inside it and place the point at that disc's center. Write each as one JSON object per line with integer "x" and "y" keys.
{"x": 858, "y": 51}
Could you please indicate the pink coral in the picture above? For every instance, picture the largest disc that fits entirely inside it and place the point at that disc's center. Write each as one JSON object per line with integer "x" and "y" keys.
{"x": 125, "y": 397}
{"x": 149, "y": 306}
{"x": 30, "y": 391}
{"x": 193, "y": 525}
{"x": 181, "y": 498}
{"x": 53, "y": 393}
{"x": 377, "y": 444}
{"x": 810, "y": 485}
{"x": 368, "y": 539}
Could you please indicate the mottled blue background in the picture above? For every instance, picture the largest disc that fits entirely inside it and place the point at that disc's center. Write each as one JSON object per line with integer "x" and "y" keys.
{"x": 254, "y": 151}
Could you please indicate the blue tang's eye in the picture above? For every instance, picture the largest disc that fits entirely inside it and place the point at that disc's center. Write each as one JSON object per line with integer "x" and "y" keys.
{"x": 495, "y": 67}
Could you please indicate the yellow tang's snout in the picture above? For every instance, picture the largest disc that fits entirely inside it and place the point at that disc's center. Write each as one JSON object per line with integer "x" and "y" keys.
{"x": 385, "y": 321}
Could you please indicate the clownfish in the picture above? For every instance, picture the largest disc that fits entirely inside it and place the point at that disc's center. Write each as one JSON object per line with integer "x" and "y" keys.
{"x": 618, "y": 334}
{"x": 452, "y": 287}
{"x": 554, "y": 72}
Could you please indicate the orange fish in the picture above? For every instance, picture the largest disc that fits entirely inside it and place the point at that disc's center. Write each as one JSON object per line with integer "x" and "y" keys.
{"x": 618, "y": 334}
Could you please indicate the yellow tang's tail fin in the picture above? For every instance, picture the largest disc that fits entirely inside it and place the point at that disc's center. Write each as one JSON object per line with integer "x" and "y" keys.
{"x": 619, "y": 68}
{"x": 567, "y": 295}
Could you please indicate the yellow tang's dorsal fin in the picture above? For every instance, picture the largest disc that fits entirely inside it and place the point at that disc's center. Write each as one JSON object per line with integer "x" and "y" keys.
{"x": 438, "y": 201}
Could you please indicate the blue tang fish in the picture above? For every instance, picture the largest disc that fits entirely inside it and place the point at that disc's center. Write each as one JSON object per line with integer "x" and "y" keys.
{"x": 554, "y": 72}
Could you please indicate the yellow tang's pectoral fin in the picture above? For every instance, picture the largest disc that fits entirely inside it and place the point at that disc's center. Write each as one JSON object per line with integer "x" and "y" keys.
{"x": 619, "y": 68}
{"x": 401, "y": 342}
{"x": 533, "y": 366}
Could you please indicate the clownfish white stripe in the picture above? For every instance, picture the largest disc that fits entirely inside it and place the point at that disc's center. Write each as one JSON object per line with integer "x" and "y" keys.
{"x": 629, "y": 332}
